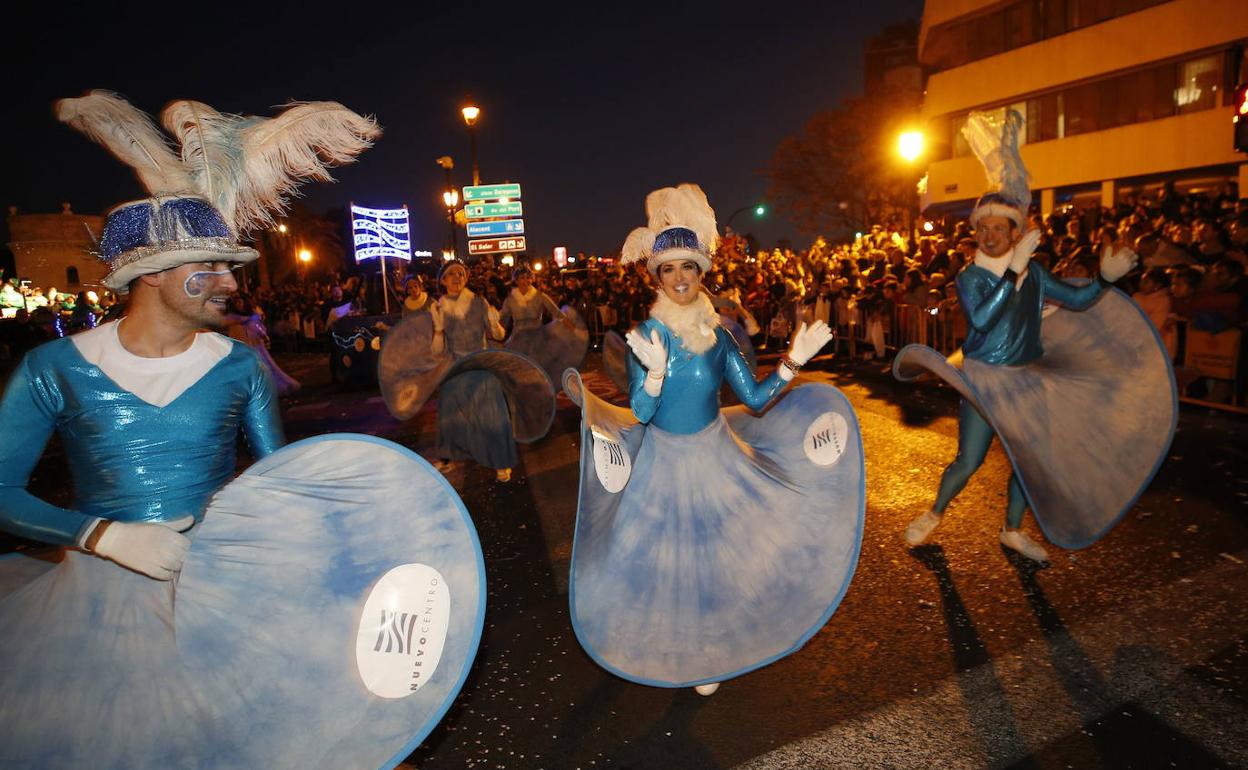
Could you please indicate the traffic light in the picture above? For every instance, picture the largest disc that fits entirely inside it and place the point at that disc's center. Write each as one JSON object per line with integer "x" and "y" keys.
{"x": 1241, "y": 117}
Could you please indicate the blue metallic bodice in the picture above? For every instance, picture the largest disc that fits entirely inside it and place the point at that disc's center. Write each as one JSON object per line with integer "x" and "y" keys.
{"x": 130, "y": 460}
{"x": 689, "y": 400}
{"x": 1003, "y": 324}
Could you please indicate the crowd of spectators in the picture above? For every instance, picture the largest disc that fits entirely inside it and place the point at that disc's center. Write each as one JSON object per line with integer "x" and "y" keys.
{"x": 1192, "y": 250}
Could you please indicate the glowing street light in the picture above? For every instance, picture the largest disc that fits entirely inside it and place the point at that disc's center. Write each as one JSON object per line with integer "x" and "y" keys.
{"x": 910, "y": 145}
{"x": 472, "y": 113}
{"x": 282, "y": 228}
{"x": 451, "y": 198}
{"x": 537, "y": 266}
{"x": 305, "y": 256}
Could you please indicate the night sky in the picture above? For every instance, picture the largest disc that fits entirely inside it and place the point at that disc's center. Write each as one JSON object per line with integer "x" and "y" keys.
{"x": 588, "y": 106}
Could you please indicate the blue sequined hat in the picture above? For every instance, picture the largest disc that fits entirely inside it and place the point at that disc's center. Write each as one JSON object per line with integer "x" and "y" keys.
{"x": 156, "y": 234}
{"x": 227, "y": 176}
{"x": 681, "y": 226}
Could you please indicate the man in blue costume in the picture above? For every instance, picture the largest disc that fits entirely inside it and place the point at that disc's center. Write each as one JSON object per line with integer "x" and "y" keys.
{"x": 1042, "y": 383}
{"x": 149, "y": 407}
{"x": 1002, "y": 295}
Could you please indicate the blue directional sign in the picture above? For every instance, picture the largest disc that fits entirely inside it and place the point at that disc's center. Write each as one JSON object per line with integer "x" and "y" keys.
{"x": 485, "y": 192}
{"x": 492, "y": 229}
{"x": 493, "y": 210}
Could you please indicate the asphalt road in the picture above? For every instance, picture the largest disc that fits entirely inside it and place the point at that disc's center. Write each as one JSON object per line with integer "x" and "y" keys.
{"x": 1131, "y": 653}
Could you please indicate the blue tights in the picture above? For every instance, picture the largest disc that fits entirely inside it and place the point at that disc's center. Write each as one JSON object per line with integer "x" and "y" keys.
{"x": 974, "y": 438}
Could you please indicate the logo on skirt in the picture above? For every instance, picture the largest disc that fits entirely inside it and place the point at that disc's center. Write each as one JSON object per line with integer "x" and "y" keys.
{"x": 611, "y": 462}
{"x": 826, "y": 439}
{"x": 402, "y": 631}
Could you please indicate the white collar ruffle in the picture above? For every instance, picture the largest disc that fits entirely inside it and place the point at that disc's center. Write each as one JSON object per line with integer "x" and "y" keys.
{"x": 694, "y": 323}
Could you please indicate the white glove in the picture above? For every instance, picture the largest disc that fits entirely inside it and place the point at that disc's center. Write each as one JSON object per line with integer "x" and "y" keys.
{"x": 1023, "y": 250}
{"x": 496, "y": 328}
{"x": 809, "y": 340}
{"x": 435, "y": 312}
{"x": 653, "y": 356}
{"x": 1115, "y": 263}
{"x": 156, "y": 549}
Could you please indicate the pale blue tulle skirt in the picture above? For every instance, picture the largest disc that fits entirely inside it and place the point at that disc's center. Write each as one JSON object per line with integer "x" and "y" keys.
{"x": 725, "y": 549}
{"x": 487, "y": 400}
{"x": 1086, "y": 426}
{"x": 267, "y": 652}
{"x": 553, "y": 346}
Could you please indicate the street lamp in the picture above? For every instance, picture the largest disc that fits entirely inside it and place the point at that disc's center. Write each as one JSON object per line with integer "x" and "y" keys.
{"x": 305, "y": 257}
{"x": 910, "y": 146}
{"x": 760, "y": 210}
{"x": 471, "y": 113}
{"x": 451, "y": 198}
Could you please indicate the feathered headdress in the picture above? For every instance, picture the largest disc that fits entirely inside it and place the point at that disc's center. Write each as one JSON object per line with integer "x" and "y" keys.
{"x": 995, "y": 142}
{"x": 231, "y": 174}
{"x": 681, "y": 226}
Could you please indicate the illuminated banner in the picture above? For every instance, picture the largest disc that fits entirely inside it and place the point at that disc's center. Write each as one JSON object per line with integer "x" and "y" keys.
{"x": 381, "y": 233}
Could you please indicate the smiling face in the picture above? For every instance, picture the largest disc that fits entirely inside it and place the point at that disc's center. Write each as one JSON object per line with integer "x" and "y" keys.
{"x": 524, "y": 282}
{"x": 454, "y": 279}
{"x": 680, "y": 280}
{"x": 995, "y": 235}
{"x": 198, "y": 292}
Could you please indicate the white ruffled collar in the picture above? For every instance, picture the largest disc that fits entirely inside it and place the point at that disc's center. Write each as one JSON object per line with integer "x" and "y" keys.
{"x": 458, "y": 308}
{"x": 997, "y": 265}
{"x": 694, "y": 323}
{"x": 523, "y": 298}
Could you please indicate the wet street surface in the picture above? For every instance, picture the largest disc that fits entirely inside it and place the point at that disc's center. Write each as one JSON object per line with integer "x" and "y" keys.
{"x": 1130, "y": 653}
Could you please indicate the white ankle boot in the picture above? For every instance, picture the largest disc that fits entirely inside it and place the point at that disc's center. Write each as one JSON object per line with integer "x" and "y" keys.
{"x": 1017, "y": 540}
{"x": 919, "y": 529}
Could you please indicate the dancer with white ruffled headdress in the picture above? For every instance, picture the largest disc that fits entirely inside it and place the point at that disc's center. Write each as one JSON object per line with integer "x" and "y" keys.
{"x": 1071, "y": 377}
{"x": 709, "y": 542}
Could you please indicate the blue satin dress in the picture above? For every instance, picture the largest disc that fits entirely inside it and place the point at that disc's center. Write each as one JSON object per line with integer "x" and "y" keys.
{"x": 711, "y": 542}
{"x": 1082, "y": 397}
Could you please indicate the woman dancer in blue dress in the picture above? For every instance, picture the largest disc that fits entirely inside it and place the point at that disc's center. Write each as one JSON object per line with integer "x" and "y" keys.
{"x": 554, "y": 346}
{"x": 708, "y": 543}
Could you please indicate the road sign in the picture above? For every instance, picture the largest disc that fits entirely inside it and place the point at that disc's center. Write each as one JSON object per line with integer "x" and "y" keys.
{"x": 486, "y": 192}
{"x": 490, "y": 210}
{"x": 496, "y": 245}
{"x": 497, "y": 227}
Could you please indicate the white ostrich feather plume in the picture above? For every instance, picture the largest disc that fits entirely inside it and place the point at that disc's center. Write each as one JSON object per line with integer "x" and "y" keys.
{"x": 682, "y": 206}
{"x": 995, "y": 142}
{"x": 130, "y": 135}
{"x": 247, "y": 167}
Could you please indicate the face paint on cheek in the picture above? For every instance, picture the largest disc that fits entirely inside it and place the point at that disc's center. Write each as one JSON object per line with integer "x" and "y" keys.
{"x": 197, "y": 283}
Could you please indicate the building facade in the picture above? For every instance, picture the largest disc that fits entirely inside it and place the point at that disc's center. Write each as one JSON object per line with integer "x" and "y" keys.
{"x": 1120, "y": 96}
{"x": 55, "y": 250}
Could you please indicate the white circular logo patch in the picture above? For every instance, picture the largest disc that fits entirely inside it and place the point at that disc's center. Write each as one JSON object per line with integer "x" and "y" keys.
{"x": 402, "y": 630}
{"x": 826, "y": 439}
{"x": 611, "y": 463}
